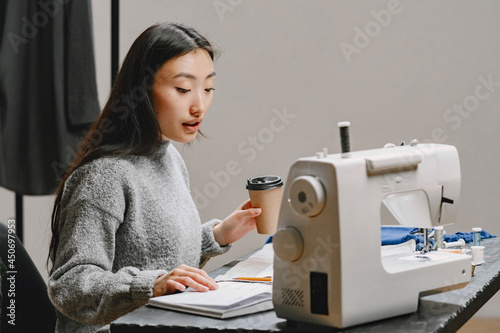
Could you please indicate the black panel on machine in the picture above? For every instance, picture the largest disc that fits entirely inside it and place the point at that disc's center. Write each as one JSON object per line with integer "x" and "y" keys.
{"x": 319, "y": 293}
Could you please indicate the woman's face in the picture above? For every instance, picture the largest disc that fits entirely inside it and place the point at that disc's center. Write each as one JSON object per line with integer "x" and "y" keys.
{"x": 182, "y": 93}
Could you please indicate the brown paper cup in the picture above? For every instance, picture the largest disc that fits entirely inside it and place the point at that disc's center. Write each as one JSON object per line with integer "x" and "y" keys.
{"x": 265, "y": 193}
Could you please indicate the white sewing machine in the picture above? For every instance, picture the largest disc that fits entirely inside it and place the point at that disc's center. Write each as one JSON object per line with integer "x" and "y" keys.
{"x": 328, "y": 264}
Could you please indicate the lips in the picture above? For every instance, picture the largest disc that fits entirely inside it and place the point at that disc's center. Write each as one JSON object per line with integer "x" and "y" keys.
{"x": 192, "y": 125}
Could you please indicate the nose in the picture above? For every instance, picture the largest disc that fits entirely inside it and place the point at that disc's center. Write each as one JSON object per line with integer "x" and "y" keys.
{"x": 199, "y": 105}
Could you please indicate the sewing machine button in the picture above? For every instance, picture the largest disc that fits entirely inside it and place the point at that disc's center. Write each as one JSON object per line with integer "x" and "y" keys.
{"x": 288, "y": 244}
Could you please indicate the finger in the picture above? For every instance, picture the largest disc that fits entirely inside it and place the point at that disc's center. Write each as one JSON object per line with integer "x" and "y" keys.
{"x": 199, "y": 276}
{"x": 255, "y": 211}
{"x": 196, "y": 285}
{"x": 200, "y": 272}
{"x": 206, "y": 281}
{"x": 250, "y": 212}
{"x": 173, "y": 285}
{"x": 246, "y": 205}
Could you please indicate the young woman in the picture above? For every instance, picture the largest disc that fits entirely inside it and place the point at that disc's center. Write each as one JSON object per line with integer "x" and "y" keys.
{"x": 124, "y": 225}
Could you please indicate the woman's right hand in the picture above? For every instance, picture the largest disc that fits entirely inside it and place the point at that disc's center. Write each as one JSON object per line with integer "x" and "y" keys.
{"x": 182, "y": 277}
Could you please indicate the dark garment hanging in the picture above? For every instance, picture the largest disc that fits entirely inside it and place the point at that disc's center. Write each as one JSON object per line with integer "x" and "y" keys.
{"x": 48, "y": 93}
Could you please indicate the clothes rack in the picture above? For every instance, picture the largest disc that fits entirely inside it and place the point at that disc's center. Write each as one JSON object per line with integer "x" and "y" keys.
{"x": 115, "y": 21}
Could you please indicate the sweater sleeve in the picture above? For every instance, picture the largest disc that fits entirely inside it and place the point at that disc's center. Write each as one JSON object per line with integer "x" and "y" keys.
{"x": 209, "y": 246}
{"x": 82, "y": 285}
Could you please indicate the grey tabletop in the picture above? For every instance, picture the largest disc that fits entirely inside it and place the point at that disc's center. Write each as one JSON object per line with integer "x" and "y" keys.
{"x": 444, "y": 312}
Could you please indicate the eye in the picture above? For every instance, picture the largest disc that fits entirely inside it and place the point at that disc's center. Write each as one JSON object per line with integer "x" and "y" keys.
{"x": 182, "y": 90}
{"x": 209, "y": 89}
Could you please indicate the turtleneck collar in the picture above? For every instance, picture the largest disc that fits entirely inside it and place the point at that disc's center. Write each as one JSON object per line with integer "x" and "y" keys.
{"x": 161, "y": 150}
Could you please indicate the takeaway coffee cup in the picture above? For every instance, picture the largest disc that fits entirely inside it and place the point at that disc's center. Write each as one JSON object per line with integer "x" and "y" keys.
{"x": 265, "y": 193}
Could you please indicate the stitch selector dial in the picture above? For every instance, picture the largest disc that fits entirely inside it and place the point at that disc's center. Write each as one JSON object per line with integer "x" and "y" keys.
{"x": 307, "y": 196}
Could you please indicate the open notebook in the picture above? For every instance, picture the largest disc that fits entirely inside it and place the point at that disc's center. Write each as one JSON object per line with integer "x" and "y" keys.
{"x": 231, "y": 299}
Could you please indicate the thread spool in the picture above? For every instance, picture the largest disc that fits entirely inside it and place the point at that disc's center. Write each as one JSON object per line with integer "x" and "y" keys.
{"x": 459, "y": 243}
{"x": 477, "y": 255}
{"x": 438, "y": 237}
{"x": 476, "y": 236}
{"x": 345, "y": 143}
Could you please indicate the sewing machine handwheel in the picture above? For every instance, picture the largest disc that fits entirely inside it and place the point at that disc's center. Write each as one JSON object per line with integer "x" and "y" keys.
{"x": 288, "y": 244}
{"x": 307, "y": 196}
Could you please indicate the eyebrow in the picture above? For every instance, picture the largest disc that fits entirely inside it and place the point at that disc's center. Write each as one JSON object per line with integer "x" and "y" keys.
{"x": 191, "y": 76}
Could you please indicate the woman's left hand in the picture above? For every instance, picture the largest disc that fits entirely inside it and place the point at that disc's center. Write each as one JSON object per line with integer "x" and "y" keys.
{"x": 236, "y": 225}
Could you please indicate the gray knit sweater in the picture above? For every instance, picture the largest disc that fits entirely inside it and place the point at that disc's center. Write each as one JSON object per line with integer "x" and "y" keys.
{"x": 126, "y": 221}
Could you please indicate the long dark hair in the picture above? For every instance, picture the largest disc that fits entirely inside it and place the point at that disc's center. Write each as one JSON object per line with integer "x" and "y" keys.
{"x": 128, "y": 124}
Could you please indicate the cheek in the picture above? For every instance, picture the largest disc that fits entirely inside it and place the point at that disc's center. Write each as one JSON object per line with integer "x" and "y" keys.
{"x": 161, "y": 102}
{"x": 165, "y": 105}
{"x": 168, "y": 110}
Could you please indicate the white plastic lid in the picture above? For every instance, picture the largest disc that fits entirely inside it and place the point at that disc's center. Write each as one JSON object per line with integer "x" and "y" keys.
{"x": 440, "y": 227}
{"x": 477, "y": 229}
{"x": 344, "y": 123}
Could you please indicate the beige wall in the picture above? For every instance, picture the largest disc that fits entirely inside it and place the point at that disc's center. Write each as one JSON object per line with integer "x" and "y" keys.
{"x": 290, "y": 70}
